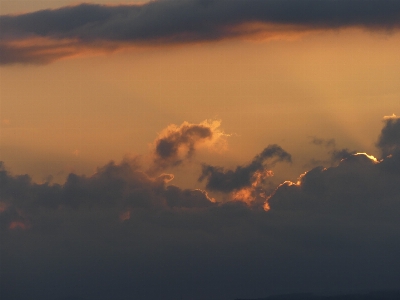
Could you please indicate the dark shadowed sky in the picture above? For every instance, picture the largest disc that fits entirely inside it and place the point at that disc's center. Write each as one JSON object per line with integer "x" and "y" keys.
{"x": 210, "y": 149}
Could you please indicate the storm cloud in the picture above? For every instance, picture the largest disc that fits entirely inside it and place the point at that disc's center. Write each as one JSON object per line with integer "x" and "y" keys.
{"x": 178, "y": 21}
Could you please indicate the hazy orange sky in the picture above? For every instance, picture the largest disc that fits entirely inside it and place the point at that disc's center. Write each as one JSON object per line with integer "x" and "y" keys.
{"x": 77, "y": 113}
{"x": 160, "y": 132}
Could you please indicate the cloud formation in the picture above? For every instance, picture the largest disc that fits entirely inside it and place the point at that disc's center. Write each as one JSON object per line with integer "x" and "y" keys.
{"x": 178, "y": 21}
{"x": 336, "y": 155}
{"x": 359, "y": 183}
{"x": 389, "y": 139}
{"x": 175, "y": 144}
{"x": 245, "y": 181}
{"x": 121, "y": 234}
{"x": 115, "y": 187}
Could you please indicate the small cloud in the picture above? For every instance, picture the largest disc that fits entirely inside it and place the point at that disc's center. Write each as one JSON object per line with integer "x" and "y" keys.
{"x": 323, "y": 142}
{"x": 175, "y": 144}
{"x": 226, "y": 181}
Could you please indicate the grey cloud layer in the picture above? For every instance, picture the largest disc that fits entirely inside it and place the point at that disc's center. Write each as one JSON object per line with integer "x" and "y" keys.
{"x": 177, "y": 21}
{"x": 113, "y": 186}
{"x": 120, "y": 234}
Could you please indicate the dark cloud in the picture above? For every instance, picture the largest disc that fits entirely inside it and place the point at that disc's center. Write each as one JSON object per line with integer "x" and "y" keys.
{"x": 176, "y": 144}
{"x": 33, "y": 54}
{"x": 116, "y": 187}
{"x": 389, "y": 139}
{"x": 120, "y": 234}
{"x": 178, "y": 21}
{"x": 219, "y": 179}
{"x": 338, "y": 155}
{"x": 360, "y": 184}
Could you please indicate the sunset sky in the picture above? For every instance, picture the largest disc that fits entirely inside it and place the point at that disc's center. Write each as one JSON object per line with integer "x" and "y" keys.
{"x": 198, "y": 149}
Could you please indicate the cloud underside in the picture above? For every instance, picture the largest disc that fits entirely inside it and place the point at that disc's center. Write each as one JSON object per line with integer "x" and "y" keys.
{"x": 121, "y": 233}
{"x": 88, "y": 27}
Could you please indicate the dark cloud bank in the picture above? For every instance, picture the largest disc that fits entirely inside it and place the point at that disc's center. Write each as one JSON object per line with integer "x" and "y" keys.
{"x": 180, "y": 21}
{"x": 120, "y": 234}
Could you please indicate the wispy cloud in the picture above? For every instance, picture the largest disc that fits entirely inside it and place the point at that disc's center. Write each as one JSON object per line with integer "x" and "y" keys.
{"x": 158, "y": 23}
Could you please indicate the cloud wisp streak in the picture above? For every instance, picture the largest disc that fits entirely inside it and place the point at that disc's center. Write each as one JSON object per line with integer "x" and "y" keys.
{"x": 100, "y": 27}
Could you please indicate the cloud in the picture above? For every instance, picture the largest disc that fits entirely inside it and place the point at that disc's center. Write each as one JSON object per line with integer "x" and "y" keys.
{"x": 389, "y": 139}
{"x": 175, "y": 144}
{"x": 37, "y": 51}
{"x": 177, "y": 21}
{"x": 219, "y": 179}
{"x": 323, "y": 142}
{"x": 336, "y": 155}
{"x": 122, "y": 234}
{"x": 359, "y": 184}
{"x": 115, "y": 187}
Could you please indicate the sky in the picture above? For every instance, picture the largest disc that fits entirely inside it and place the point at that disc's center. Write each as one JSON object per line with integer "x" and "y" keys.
{"x": 198, "y": 149}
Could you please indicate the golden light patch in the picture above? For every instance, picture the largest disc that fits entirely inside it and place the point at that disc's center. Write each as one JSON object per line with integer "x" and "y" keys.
{"x": 371, "y": 157}
{"x": 250, "y": 194}
{"x": 259, "y": 176}
{"x": 245, "y": 195}
{"x": 392, "y": 117}
{"x": 166, "y": 177}
{"x": 218, "y": 142}
{"x": 266, "y": 206}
